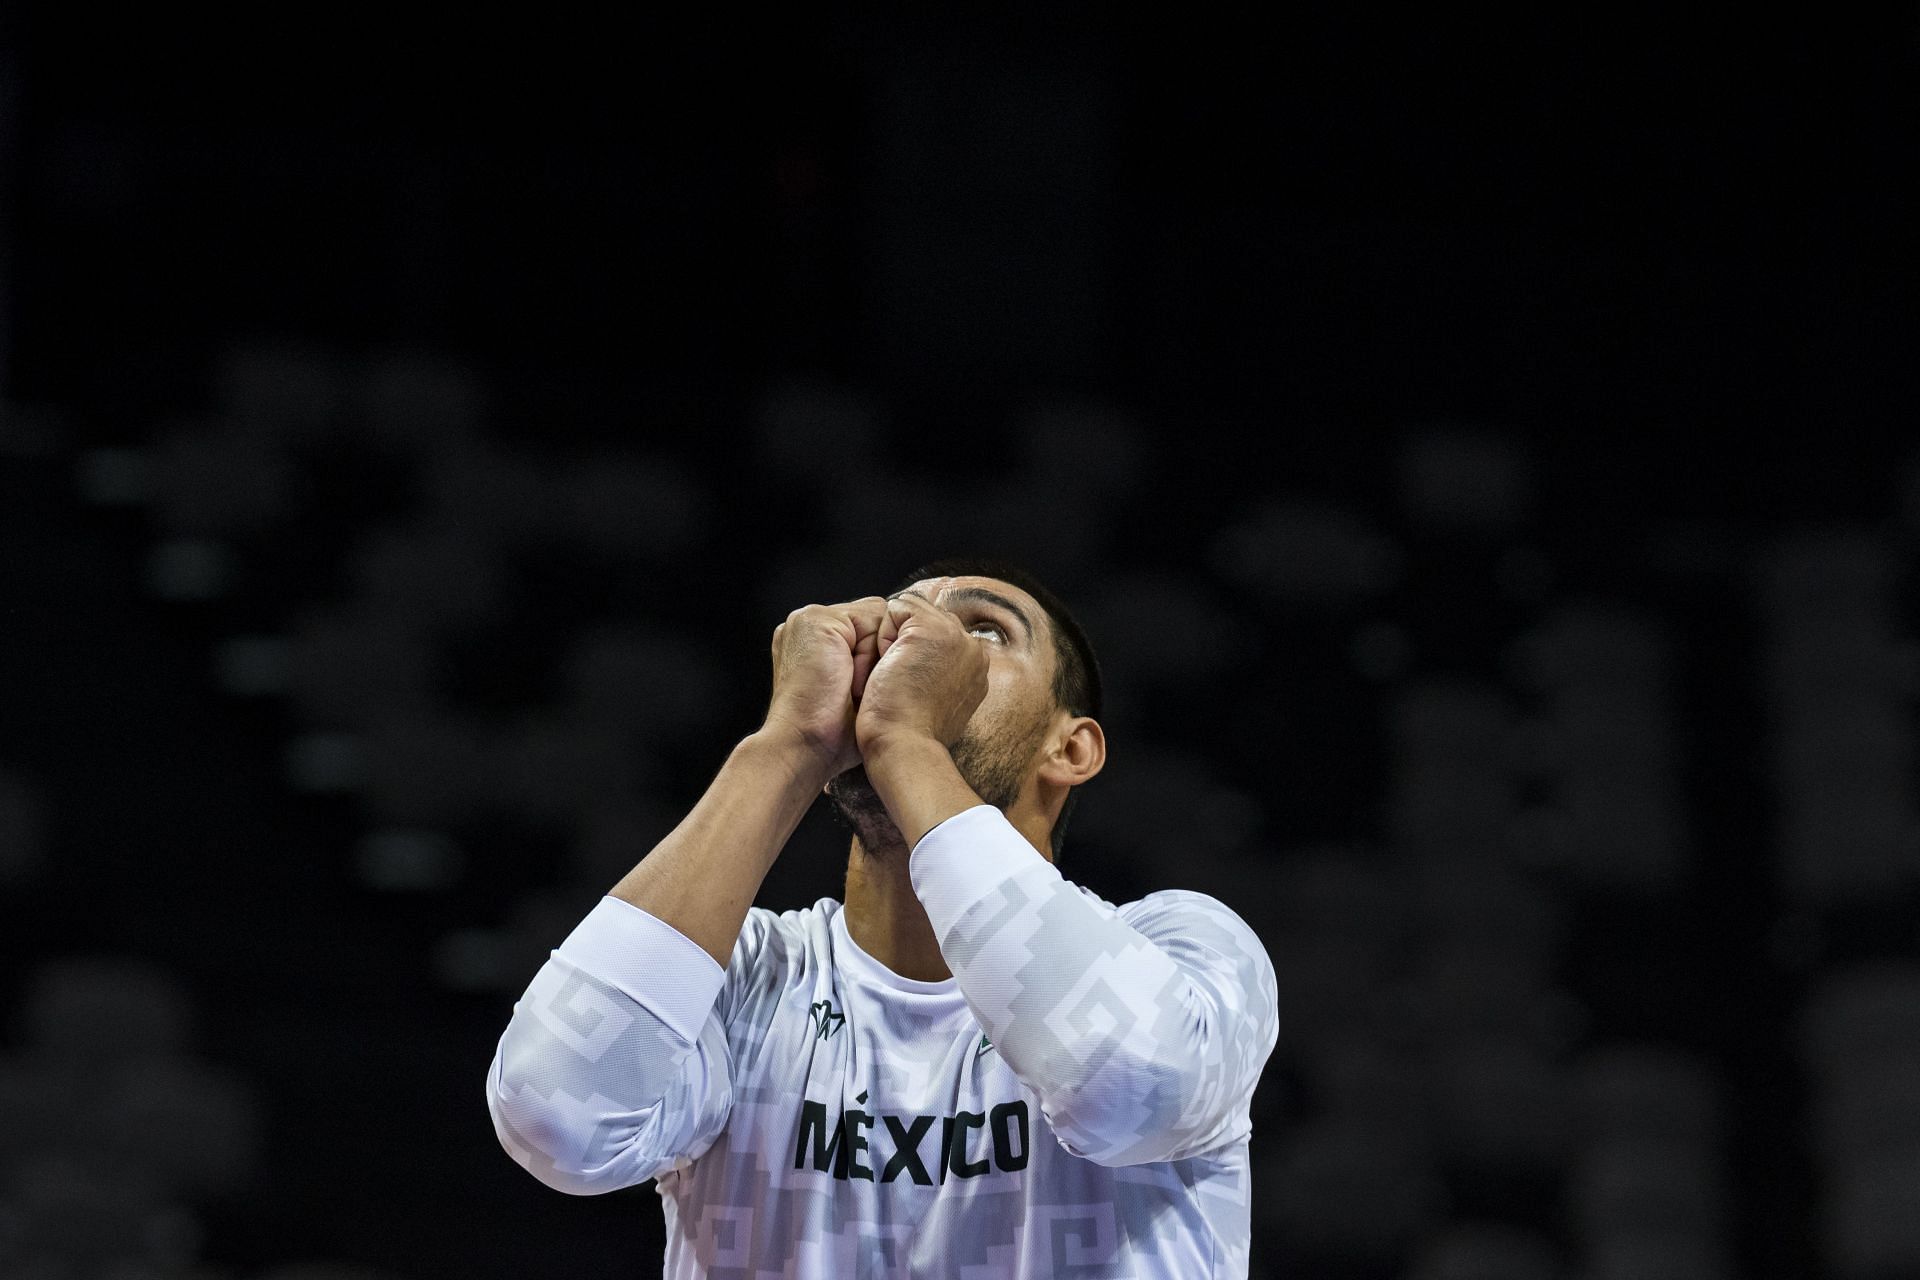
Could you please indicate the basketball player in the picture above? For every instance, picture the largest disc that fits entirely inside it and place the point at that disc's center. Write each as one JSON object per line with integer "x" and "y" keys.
{"x": 972, "y": 1067}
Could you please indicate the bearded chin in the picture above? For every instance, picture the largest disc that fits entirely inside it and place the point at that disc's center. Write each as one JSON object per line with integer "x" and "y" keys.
{"x": 994, "y": 776}
{"x": 860, "y": 809}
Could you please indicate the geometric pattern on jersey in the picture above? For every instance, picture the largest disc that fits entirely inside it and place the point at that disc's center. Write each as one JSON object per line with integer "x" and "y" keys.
{"x": 1072, "y": 1102}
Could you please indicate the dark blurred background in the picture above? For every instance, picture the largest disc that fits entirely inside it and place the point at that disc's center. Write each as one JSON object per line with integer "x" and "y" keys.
{"x": 1483, "y": 448}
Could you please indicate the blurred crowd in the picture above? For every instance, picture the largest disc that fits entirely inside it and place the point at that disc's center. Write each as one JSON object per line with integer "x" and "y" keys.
{"x": 1584, "y": 845}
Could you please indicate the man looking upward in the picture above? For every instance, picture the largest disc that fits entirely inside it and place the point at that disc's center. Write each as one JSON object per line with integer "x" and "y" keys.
{"x": 974, "y": 1067}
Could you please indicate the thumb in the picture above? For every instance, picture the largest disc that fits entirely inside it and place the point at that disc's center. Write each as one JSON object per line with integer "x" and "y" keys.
{"x": 899, "y": 613}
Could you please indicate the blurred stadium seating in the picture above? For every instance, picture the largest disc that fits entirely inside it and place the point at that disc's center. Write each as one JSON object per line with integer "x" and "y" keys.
{"x": 1485, "y": 1074}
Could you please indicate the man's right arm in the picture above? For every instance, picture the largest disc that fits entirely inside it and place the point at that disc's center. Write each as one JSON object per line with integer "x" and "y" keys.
{"x": 614, "y": 1065}
{"x": 702, "y": 878}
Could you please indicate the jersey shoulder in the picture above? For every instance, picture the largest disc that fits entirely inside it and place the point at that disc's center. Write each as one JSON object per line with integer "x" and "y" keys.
{"x": 775, "y": 950}
{"x": 1206, "y": 936}
{"x": 1176, "y": 911}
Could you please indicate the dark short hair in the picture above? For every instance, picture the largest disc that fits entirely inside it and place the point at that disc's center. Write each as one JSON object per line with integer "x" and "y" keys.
{"x": 1076, "y": 671}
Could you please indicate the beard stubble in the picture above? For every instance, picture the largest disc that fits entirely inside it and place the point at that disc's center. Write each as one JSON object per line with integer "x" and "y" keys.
{"x": 994, "y": 766}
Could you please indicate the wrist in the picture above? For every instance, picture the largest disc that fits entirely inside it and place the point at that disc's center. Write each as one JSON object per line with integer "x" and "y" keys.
{"x": 781, "y": 746}
{"x": 896, "y": 751}
{"x": 916, "y": 778}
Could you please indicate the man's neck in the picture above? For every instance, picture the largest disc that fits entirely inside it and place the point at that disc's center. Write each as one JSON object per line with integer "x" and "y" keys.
{"x": 885, "y": 916}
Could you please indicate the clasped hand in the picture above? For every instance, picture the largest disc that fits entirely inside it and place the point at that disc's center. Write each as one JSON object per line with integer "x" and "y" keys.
{"x": 849, "y": 677}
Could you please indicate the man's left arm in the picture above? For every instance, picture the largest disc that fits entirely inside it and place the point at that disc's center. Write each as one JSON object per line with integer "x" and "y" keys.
{"x": 1143, "y": 1035}
{"x": 1143, "y": 1031}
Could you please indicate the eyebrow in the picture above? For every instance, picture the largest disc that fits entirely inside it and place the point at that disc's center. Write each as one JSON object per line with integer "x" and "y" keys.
{"x": 983, "y": 595}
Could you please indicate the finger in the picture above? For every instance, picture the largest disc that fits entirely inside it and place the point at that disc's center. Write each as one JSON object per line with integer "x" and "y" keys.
{"x": 890, "y": 626}
{"x": 857, "y": 622}
{"x": 903, "y": 609}
{"x": 866, "y": 614}
{"x": 870, "y": 623}
{"x": 857, "y": 616}
{"x": 911, "y": 609}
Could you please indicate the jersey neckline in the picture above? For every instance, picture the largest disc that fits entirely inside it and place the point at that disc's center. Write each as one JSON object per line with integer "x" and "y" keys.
{"x": 868, "y": 971}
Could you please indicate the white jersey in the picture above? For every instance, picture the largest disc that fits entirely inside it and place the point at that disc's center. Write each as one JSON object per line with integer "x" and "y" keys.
{"x": 1073, "y": 1101}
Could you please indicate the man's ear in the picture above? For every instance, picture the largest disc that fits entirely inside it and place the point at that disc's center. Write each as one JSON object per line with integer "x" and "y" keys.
{"x": 1079, "y": 751}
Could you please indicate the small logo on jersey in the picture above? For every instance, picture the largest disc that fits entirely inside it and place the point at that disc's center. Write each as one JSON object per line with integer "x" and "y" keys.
{"x": 825, "y": 1020}
{"x": 985, "y": 1044}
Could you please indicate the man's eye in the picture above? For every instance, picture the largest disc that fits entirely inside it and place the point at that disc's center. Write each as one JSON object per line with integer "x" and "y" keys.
{"x": 991, "y": 628}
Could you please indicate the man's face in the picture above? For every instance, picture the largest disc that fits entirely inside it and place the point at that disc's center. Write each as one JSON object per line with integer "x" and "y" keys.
{"x": 998, "y": 749}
